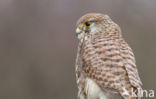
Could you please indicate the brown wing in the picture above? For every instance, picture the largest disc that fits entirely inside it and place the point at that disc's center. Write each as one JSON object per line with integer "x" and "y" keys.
{"x": 129, "y": 62}
{"x": 105, "y": 61}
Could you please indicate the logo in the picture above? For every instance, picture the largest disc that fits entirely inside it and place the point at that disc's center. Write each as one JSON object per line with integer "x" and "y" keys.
{"x": 139, "y": 93}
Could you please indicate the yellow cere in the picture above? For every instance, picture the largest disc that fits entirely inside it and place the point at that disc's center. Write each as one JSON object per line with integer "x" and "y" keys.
{"x": 80, "y": 28}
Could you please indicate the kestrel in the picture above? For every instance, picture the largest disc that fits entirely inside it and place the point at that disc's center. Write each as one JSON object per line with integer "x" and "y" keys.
{"x": 105, "y": 64}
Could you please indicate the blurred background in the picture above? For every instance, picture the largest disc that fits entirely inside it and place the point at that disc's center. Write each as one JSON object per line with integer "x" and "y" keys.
{"x": 38, "y": 45}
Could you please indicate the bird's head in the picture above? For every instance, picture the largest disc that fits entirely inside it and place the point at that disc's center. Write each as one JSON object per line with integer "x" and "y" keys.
{"x": 93, "y": 23}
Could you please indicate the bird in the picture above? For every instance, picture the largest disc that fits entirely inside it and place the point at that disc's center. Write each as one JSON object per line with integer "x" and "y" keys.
{"x": 105, "y": 64}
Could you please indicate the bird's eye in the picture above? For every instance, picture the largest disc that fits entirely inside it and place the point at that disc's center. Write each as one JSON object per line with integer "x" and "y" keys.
{"x": 87, "y": 24}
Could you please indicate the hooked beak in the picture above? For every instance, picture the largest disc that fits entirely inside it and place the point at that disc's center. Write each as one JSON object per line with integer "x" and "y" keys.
{"x": 78, "y": 30}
